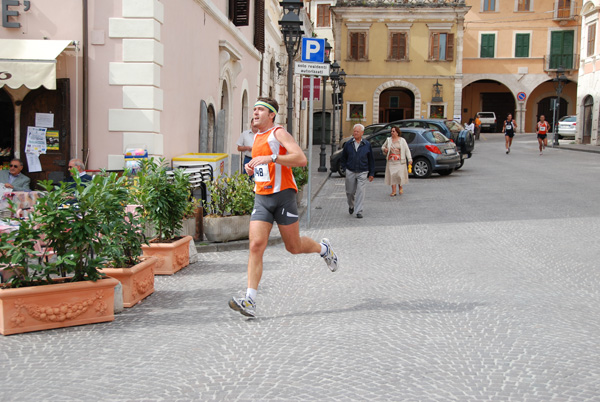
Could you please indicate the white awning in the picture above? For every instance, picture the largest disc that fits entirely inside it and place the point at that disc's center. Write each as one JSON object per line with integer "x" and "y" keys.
{"x": 29, "y": 62}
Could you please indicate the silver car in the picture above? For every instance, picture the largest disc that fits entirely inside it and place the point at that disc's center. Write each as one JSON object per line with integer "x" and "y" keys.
{"x": 567, "y": 126}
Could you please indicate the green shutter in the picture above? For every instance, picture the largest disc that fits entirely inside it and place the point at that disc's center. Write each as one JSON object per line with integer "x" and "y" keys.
{"x": 487, "y": 45}
{"x": 522, "y": 45}
{"x": 561, "y": 49}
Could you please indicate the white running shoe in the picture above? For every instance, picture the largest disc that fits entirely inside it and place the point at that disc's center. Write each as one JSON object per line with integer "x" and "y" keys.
{"x": 330, "y": 257}
{"x": 245, "y": 305}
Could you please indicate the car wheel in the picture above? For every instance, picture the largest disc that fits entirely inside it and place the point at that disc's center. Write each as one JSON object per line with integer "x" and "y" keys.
{"x": 422, "y": 168}
{"x": 341, "y": 171}
{"x": 445, "y": 172}
{"x": 462, "y": 162}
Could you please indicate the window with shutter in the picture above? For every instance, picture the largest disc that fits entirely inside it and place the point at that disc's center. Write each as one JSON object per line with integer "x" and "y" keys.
{"x": 323, "y": 18}
{"x": 522, "y": 45}
{"x": 259, "y": 25}
{"x": 441, "y": 46}
{"x": 397, "y": 46}
{"x": 358, "y": 41}
{"x": 563, "y": 9}
{"x": 489, "y": 5}
{"x": 487, "y": 45}
{"x": 561, "y": 49}
{"x": 523, "y": 5}
{"x": 591, "y": 40}
{"x": 239, "y": 12}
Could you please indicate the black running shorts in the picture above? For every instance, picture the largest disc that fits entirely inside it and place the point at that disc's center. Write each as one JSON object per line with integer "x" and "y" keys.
{"x": 542, "y": 136}
{"x": 279, "y": 207}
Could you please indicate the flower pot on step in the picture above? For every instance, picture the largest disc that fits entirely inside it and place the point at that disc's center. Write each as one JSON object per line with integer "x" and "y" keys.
{"x": 171, "y": 257}
{"x": 137, "y": 281}
{"x": 226, "y": 228}
{"x": 37, "y": 308}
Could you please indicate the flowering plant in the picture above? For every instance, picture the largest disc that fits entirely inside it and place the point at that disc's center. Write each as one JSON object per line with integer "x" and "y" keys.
{"x": 230, "y": 195}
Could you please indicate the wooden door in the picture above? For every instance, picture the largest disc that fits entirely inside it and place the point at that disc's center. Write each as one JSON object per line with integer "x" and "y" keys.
{"x": 54, "y": 162}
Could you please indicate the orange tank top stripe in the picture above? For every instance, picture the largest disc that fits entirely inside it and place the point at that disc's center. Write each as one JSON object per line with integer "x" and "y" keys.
{"x": 273, "y": 177}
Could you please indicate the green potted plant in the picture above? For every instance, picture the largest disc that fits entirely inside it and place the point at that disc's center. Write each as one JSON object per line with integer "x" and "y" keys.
{"x": 301, "y": 178}
{"x": 230, "y": 203}
{"x": 73, "y": 223}
{"x": 165, "y": 198}
{"x": 125, "y": 260}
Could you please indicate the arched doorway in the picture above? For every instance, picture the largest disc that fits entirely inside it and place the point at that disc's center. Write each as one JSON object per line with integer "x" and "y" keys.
{"x": 588, "y": 107}
{"x": 7, "y": 128}
{"x": 396, "y": 104}
{"x": 488, "y": 96}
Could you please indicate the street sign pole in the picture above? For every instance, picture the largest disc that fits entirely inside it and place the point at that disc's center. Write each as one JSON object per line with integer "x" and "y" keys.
{"x": 310, "y": 140}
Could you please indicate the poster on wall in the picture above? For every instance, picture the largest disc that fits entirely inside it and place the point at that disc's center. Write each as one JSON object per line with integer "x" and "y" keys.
{"x": 36, "y": 140}
{"x": 35, "y": 145}
{"x": 52, "y": 140}
{"x": 44, "y": 120}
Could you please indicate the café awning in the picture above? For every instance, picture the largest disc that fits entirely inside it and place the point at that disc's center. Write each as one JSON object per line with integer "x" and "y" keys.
{"x": 29, "y": 62}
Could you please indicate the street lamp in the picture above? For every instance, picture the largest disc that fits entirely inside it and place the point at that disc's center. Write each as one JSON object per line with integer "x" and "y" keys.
{"x": 334, "y": 76}
{"x": 559, "y": 81}
{"x": 322, "y": 155}
{"x": 292, "y": 35}
{"x": 341, "y": 99}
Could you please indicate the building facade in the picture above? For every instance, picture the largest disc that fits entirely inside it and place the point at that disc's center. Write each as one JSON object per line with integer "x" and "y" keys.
{"x": 402, "y": 59}
{"x": 588, "y": 91}
{"x": 513, "y": 51}
{"x": 170, "y": 76}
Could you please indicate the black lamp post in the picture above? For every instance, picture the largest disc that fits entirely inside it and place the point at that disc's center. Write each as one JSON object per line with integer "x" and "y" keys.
{"x": 334, "y": 76}
{"x": 292, "y": 35}
{"x": 342, "y": 85}
{"x": 322, "y": 155}
{"x": 560, "y": 80}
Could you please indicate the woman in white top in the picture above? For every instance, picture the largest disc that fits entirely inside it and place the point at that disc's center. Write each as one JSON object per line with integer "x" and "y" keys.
{"x": 398, "y": 153}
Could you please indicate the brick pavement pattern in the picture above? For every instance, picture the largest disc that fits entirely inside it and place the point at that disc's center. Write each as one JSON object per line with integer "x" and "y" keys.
{"x": 482, "y": 285}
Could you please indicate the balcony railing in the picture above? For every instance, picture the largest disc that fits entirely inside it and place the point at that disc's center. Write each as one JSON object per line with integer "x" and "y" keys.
{"x": 567, "y": 61}
{"x": 401, "y": 3}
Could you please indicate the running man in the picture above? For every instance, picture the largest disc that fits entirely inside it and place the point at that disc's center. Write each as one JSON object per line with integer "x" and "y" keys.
{"x": 274, "y": 153}
{"x": 542, "y": 133}
{"x": 509, "y": 131}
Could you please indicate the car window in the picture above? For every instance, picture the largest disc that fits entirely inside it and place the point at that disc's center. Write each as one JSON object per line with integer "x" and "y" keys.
{"x": 408, "y": 136}
{"x": 371, "y": 129}
{"x": 435, "y": 137}
{"x": 432, "y": 126}
{"x": 409, "y": 124}
{"x": 569, "y": 119}
{"x": 486, "y": 115}
{"x": 378, "y": 140}
{"x": 454, "y": 126}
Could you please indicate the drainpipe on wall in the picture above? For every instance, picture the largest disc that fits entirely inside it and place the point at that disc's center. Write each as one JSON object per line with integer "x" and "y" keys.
{"x": 84, "y": 48}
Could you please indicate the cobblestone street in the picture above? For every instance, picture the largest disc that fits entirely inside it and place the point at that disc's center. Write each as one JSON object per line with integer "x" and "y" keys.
{"x": 482, "y": 285}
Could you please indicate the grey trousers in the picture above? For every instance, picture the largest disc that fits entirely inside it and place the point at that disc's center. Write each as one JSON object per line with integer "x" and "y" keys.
{"x": 355, "y": 189}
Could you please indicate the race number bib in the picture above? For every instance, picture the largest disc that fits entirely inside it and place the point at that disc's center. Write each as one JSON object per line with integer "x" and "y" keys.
{"x": 542, "y": 129}
{"x": 509, "y": 126}
{"x": 261, "y": 173}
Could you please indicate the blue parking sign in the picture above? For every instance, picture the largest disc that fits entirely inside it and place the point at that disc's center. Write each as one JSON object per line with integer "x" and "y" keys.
{"x": 313, "y": 50}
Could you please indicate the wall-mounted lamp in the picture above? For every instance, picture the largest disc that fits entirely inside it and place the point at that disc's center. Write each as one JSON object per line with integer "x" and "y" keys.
{"x": 438, "y": 92}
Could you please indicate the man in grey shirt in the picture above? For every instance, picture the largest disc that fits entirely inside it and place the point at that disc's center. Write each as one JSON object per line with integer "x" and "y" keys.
{"x": 13, "y": 179}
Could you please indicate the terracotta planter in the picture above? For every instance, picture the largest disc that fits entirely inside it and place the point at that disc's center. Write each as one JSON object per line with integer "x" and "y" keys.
{"x": 137, "y": 281}
{"x": 226, "y": 228}
{"x": 171, "y": 257}
{"x": 37, "y": 308}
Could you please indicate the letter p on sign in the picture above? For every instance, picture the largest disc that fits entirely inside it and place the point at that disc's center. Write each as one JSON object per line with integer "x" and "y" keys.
{"x": 313, "y": 50}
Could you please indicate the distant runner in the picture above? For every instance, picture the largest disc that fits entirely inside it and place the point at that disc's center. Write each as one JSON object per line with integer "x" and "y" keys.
{"x": 542, "y": 133}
